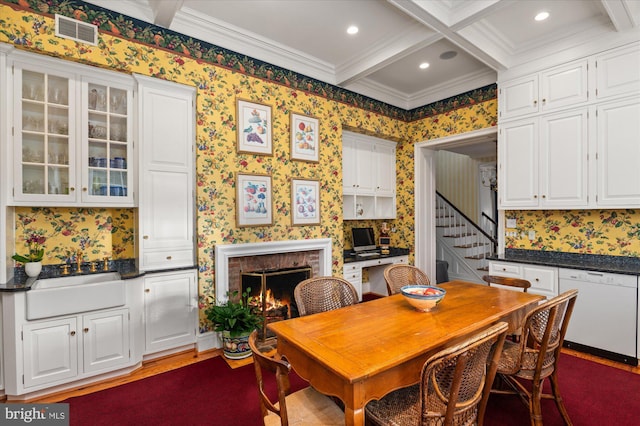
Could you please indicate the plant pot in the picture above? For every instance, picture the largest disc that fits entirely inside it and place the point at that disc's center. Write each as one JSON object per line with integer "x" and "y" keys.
{"x": 236, "y": 347}
{"x": 32, "y": 269}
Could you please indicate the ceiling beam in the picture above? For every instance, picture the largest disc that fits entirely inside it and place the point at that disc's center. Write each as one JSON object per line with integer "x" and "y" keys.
{"x": 164, "y": 11}
{"x": 621, "y": 14}
{"x": 423, "y": 12}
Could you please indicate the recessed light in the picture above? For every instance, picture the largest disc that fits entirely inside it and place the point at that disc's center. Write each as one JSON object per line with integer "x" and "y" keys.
{"x": 424, "y": 65}
{"x": 542, "y": 16}
{"x": 352, "y": 30}
{"x": 449, "y": 54}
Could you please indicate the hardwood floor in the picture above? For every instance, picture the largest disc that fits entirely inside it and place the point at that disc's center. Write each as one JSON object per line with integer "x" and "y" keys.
{"x": 182, "y": 359}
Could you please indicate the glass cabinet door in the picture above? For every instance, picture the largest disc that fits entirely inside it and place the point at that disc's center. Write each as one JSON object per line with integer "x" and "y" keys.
{"x": 109, "y": 146}
{"x": 45, "y": 153}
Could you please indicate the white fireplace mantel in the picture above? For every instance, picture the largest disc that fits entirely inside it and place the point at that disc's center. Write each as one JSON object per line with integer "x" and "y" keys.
{"x": 227, "y": 251}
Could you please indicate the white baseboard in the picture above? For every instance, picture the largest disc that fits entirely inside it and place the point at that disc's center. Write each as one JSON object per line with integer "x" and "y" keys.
{"x": 207, "y": 341}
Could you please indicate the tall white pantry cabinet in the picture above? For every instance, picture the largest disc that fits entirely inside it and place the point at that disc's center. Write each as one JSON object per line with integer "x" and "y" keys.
{"x": 568, "y": 135}
{"x": 166, "y": 215}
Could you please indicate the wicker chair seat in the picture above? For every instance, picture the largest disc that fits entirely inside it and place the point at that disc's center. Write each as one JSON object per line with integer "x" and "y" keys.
{"x": 454, "y": 383}
{"x": 535, "y": 357}
{"x": 511, "y": 363}
{"x": 308, "y": 407}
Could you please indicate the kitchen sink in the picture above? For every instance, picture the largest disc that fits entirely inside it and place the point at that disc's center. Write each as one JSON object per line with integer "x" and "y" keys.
{"x": 74, "y": 294}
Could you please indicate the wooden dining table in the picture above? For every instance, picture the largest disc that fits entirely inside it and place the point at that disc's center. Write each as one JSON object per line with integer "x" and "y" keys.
{"x": 362, "y": 352}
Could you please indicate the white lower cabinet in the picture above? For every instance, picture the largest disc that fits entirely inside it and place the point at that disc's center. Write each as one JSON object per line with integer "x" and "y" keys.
{"x": 543, "y": 279}
{"x": 171, "y": 310}
{"x": 52, "y": 348}
{"x": 50, "y": 351}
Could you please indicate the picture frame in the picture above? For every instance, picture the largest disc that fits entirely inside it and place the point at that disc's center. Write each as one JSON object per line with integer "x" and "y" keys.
{"x": 305, "y": 138}
{"x": 254, "y": 128}
{"x": 305, "y": 202}
{"x": 254, "y": 200}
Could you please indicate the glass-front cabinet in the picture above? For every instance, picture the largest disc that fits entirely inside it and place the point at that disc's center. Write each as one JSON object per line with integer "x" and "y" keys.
{"x": 72, "y": 136}
{"x": 106, "y": 155}
{"x": 45, "y": 146}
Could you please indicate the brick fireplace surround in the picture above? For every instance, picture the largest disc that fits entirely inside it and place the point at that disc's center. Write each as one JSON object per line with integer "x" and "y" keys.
{"x": 233, "y": 259}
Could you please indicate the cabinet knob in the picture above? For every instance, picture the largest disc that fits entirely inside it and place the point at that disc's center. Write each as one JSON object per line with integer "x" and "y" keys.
{"x": 71, "y": 188}
{"x": 535, "y": 196}
{"x": 168, "y": 257}
{"x": 544, "y": 196}
{"x": 544, "y": 100}
{"x": 537, "y": 279}
{"x": 145, "y": 237}
{"x": 84, "y": 189}
{"x": 86, "y": 329}
{"x": 73, "y": 333}
{"x": 147, "y": 290}
{"x": 504, "y": 269}
{"x": 535, "y": 102}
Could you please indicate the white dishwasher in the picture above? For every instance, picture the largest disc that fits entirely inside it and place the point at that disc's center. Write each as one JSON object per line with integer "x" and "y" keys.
{"x": 605, "y": 314}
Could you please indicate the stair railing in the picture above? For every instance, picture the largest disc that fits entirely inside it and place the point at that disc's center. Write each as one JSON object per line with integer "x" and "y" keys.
{"x": 454, "y": 218}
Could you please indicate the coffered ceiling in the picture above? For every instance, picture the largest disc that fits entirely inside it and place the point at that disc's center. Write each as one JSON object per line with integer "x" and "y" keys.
{"x": 395, "y": 36}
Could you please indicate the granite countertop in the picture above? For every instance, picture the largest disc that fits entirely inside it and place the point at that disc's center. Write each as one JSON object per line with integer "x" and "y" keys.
{"x": 588, "y": 262}
{"x": 348, "y": 257}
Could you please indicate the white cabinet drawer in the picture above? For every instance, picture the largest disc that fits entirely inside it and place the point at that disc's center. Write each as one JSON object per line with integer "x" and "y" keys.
{"x": 167, "y": 259}
{"x": 505, "y": 269}
{"x": 352, "y": 273}
{"x": 543, "y": 280}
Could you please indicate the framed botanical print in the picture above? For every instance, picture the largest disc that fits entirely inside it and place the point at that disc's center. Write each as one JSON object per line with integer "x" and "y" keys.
{"x": 254, "y": 128}
{"x": 305, "y": 137}
{"x": 305, "y": 202}
{"x": 254, "y": 200}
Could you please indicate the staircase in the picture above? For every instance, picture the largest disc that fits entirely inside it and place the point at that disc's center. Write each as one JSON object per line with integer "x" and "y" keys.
{"x": 461, "y": 243}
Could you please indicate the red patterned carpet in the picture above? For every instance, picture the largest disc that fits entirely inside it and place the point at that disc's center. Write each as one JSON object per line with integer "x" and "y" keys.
{"x": 211, "y": 393}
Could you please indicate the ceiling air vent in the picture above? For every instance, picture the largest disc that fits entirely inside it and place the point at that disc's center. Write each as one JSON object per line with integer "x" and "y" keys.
{"x": 76, "y": 30}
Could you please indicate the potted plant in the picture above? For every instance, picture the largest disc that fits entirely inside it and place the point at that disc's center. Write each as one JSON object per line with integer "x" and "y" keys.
{"x": 235, "y": 318}
{"x": 33, "y": 260}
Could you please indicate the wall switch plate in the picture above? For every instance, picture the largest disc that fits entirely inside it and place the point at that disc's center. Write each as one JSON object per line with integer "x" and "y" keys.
{"x": 511, "y": 223}
{"x": 532, "y": 235}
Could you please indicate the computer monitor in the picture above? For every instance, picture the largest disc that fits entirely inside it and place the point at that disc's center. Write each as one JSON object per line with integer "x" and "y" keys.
{"x": 363, "y": 239}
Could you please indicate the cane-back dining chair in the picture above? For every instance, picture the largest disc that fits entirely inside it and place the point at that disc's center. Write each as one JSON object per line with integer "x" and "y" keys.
{"x": 400, "y": 275}
{"x": 535, "y": 357}
{"x": 511, "y": 282}
{"x": 304, "y": 407}
{"x": 454, "y": 387}
{"x": 322, "y": 294}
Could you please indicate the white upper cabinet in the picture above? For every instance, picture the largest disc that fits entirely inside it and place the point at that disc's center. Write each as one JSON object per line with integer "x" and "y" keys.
{"x": 166, "y": 180}
{"x": 544, "y": 162}
{"x": 618, "y": 72}
{"x": 72, "y": 138}
{"x": 618, "y": 159}
{"x": 385, "y": 169}
{"x": 358, "y": 158}
{"x": 558, "y": 87}
{"x": 369, "y": 177}
{"x": 518, "y": 164}
{"x": 564, "y": 149}
{"x": 575, "y": 142}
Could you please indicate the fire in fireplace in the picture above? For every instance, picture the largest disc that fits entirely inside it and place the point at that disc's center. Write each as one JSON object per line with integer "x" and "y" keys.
{"x": 273, "y": 291}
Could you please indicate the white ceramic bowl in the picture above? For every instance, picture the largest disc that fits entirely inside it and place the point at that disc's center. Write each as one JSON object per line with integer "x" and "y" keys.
{"x": 423, "y": 297}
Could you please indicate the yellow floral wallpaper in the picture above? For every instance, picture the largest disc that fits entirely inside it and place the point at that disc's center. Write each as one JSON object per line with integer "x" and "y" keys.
{"x": 97, "y": 232}
{"x": 605, "y": 232}
{"x": 221, "y": 77}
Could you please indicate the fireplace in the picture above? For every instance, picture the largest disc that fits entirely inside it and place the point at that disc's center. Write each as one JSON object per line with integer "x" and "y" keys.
{"x": 233, "y": 259}
{"x": 272, "y": 293}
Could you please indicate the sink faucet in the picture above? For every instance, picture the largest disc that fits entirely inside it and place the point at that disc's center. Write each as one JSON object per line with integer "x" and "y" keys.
{"x": 79, "y": 261}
